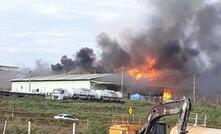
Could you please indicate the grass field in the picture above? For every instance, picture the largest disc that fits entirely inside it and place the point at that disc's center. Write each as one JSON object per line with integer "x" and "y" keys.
{"x": 95, "y": 118}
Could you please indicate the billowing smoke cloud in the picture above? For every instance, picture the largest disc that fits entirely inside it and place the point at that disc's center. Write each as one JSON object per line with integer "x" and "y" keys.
{"x": 113, "y": 56}
{"x": 83, "y": 62}
{"x": 184, "y": 36}
{"x": 41, "y": 68}
{"x": 85, "y": 58}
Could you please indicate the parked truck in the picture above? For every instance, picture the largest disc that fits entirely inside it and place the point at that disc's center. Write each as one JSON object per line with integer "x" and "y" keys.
{"x": 60, "y": 93}
{"x": 87, "y": 94}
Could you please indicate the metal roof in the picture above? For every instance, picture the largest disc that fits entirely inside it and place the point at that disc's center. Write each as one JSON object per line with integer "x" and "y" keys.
{"x": 63, "y": 77}
{"x": 104, "y": 82}
{"x": 9, "y": 66}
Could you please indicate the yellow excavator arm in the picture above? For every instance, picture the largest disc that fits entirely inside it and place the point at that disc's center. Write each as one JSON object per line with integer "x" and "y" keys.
{"x": 181, "y": 106}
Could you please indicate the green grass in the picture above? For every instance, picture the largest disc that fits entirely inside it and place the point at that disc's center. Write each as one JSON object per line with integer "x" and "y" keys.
{"x": 95, "y": 117}
{"x": 212, "y": 111}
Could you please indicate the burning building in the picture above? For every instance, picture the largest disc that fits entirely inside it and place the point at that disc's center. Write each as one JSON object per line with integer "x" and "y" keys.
{"x": 178, "y": 38}
{"x": 46, "y": 84}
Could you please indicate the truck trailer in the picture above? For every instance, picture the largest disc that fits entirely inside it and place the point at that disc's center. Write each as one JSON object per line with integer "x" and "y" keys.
{"x": 87, "y": 94}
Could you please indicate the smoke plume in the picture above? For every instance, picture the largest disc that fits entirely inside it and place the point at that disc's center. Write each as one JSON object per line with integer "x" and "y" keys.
{"x": 113, "y": 56}
{"x": 184, "y": 36}
{"x": 41, "y": 68}
{"x": 83, "y": 62}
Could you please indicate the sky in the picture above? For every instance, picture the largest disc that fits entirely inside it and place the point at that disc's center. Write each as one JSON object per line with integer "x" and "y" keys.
{"x": 48, "y": 29}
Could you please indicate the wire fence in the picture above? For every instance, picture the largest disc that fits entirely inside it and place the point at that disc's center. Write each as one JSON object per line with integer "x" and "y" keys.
{"x": 41, "y": 125}
{"x": 19, "y": 126}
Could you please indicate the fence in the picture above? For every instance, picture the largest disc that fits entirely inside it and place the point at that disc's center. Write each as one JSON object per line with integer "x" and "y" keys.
{"x": 54, "y": 127}
{"x": 33, "y": 127}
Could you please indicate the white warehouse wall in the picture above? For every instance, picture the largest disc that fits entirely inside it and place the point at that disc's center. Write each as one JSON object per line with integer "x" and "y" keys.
{"x": 48, "y": 86}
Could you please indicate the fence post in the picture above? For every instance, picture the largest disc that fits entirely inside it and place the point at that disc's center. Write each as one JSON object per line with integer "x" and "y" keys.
{"x": 87, "y": 124}
{"x": 12, "y": 112}
{"x": 196, "y": 120}
{"x": 45, "y": 105}
{"x": 5, "y": 126}
{"x": 29, "y": 127}
{"x": 204, "y": 124}
{"x": 73, "y": 128}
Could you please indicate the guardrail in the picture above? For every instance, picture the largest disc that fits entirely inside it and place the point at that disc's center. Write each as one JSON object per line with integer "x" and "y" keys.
{"x": 196, "y": 120}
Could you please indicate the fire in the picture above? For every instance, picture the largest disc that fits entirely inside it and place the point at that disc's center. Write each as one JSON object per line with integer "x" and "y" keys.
{"x": 167, "y": 94}
{"x": 135, "y": 73}
{"x": 146, "y": 70}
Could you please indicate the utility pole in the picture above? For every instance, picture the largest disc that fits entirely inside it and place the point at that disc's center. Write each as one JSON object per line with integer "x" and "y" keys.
{"x": 122, "y": 80}
{"x": 29, "y": 72}
{"x": 194, "y": 88}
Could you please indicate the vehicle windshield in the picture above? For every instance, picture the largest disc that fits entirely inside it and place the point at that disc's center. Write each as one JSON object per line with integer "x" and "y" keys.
{"x": 58, "y": 91}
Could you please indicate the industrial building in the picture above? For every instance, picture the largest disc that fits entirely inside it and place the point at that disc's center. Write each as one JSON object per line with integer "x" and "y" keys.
{"x": 6, "y": 74}
{"x": 45, "y": 85}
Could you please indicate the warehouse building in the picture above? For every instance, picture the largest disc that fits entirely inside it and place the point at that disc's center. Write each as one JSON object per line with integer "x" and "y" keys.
{"x": 6, "y": 74}
{"x": 45, "y": 85}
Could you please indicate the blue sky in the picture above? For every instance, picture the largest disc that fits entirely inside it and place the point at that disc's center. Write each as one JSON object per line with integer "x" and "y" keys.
{"x": 48, "y": 29}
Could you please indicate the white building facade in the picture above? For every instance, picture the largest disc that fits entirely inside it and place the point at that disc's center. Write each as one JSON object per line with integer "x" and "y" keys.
{"x": 44, "y": 85}
{"x": 47, "y": 86}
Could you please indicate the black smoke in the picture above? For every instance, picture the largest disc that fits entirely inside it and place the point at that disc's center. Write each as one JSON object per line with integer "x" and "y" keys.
{"x": 85, "y": 58}
{"x": 83, "y": 62}
{"x": 170, "y": 55}
{"x": 66, "y": 65}
{"x": 113, "y": 56}
{"x": 184, "y": 36}
{"x": 57, "y": 67}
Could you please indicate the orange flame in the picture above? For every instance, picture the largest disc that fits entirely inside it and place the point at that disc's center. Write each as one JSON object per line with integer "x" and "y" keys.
{"x": 146, "y": 70}
{"x": 135, "y": 73}
{"x": 167, "y": 94}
